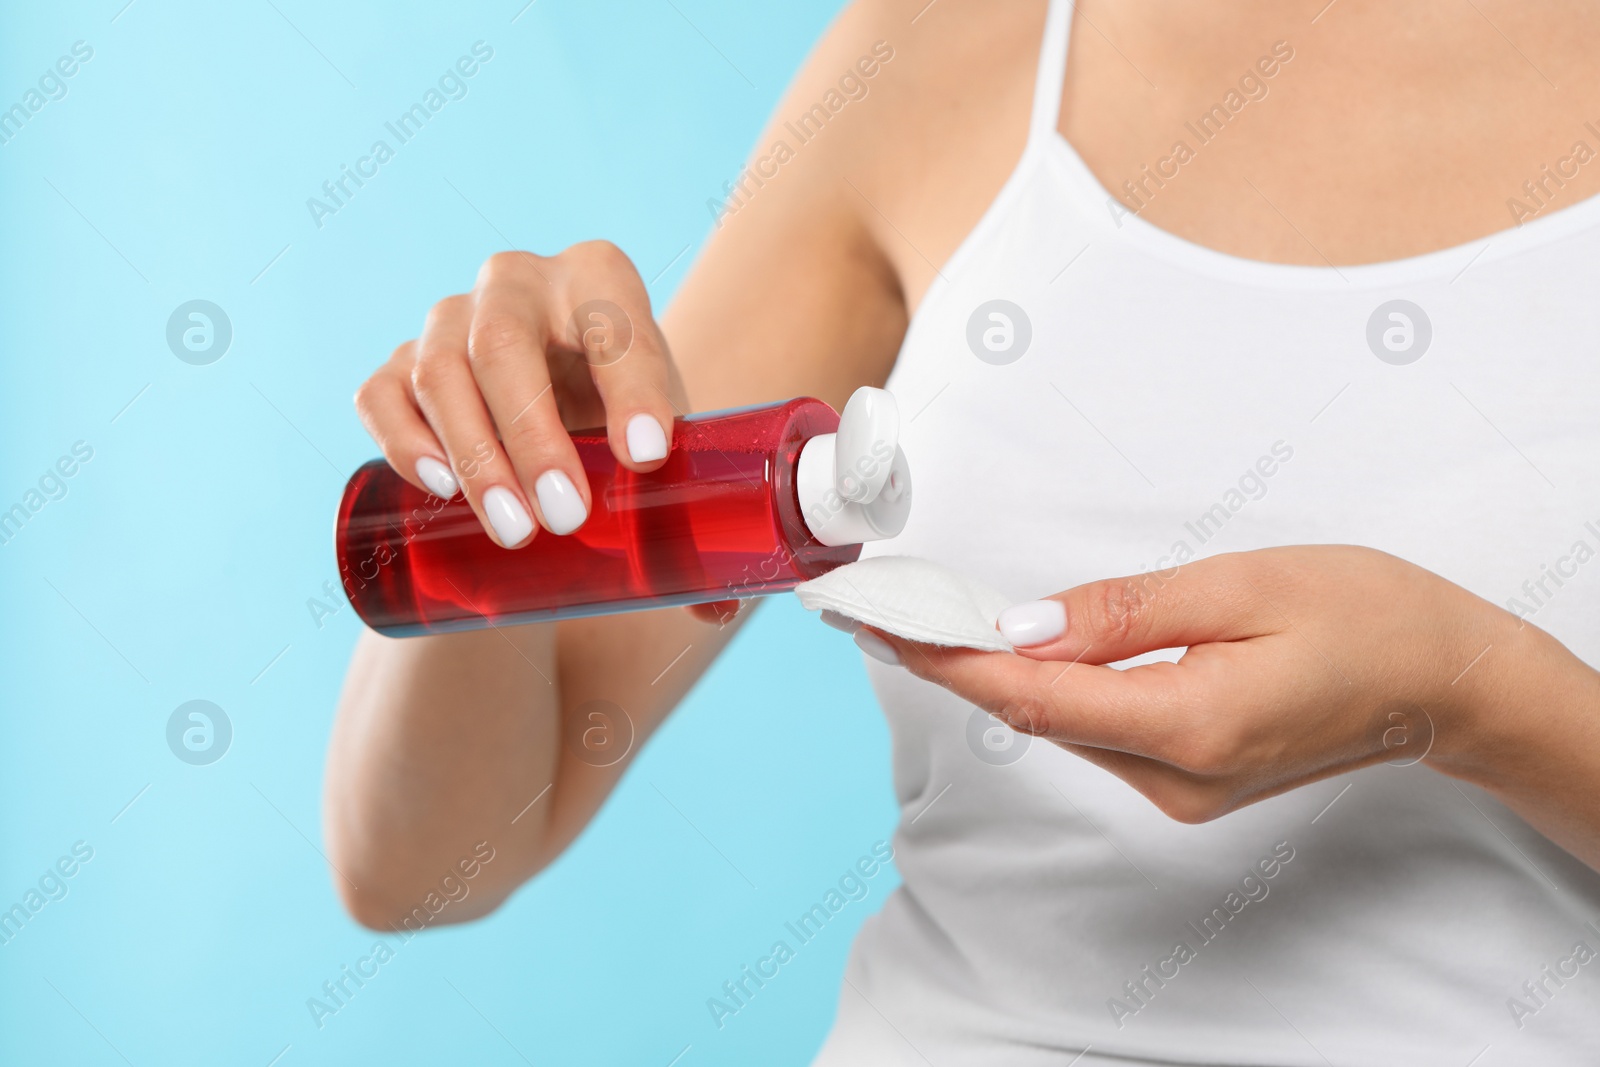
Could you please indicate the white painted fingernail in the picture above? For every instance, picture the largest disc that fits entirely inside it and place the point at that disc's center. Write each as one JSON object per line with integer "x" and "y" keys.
{"x": 841, "y": 622}
{"x": 877, "y": 648}
{"x": 559, "y": 500}
{"x": 1033, "y": 623}
{"x": 647, "y": 442}
{"x": 507, "y": 515}
{"x": 437, "y": 477}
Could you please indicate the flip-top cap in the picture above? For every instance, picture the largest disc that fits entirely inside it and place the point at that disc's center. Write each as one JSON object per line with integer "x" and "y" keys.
{"x": 855, "y": 485}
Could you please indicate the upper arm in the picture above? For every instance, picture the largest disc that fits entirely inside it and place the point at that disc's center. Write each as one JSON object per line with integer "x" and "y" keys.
{"x": 802, "y": 288}
{"x": 792, "y": 295}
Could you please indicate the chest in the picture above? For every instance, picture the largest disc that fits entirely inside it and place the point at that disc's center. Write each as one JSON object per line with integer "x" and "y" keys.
{"x": 1378, "y": 132}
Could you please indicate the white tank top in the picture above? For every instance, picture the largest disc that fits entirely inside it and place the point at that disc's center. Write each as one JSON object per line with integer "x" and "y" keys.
{"x": 1145, "y": 389}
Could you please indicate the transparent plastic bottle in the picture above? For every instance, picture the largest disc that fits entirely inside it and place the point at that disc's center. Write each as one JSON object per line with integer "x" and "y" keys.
{"x": 748, "y": 502}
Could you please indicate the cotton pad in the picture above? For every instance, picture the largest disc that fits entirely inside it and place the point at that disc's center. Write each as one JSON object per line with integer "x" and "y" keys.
{"x": 912, "y": 598}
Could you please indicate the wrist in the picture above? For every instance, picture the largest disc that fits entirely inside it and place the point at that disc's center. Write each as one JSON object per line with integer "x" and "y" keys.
{"x": 1518, "y": 692}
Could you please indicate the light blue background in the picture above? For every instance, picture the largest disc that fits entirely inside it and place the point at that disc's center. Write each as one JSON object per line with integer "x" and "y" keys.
{"x": 179, "y": 564}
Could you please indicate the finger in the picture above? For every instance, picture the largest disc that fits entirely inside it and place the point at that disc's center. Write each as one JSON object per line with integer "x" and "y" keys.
{"x": 1178, "y": 794}
{"x": 611, "y": 323}
{"x": 389, "y": 412}
{"x": 1142, "y": 711}
{"x": 507, "y": 351}
{"x": 448, "y": 397}
{"x": 1099, "y": 716}
{"x": 1118, "y": 618}
{"x": 717, "y": 613}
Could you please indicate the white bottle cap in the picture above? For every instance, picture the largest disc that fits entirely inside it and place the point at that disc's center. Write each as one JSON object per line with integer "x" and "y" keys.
{"x": 855, "y": 485}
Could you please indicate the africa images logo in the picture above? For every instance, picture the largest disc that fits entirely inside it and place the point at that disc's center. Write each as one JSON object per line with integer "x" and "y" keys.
{"x": 199, "y": 732}
{"x": 1399, "y": 332}
{"x": 199, "y": 332}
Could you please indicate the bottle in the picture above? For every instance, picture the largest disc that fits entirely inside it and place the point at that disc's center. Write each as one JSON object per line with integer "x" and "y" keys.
{"x": 748, "y": 502}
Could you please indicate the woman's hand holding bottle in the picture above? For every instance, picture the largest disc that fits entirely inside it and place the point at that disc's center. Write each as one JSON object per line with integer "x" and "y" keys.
{"x": 482, "y": 401}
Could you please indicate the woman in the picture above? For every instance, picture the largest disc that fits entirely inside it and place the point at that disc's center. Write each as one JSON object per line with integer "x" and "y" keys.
{"x": 1206, "y": 294}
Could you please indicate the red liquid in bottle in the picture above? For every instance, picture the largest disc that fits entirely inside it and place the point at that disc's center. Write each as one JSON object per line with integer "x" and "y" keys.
{"x": 719, "y": 520}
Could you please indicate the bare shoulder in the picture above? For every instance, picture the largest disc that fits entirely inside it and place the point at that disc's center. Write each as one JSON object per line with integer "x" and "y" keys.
{"x": 886, "y": 148}
{"x": 946, "y": 121}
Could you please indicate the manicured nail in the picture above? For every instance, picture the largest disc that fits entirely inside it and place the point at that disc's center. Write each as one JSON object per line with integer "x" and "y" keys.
{"x": 1033, "y": 623}
{"x": 507, "y": 515}
{"x": 647, "y": 442}
{"x": 437, "y": 477}
{"x": 877, "y": 648}
{"x": 559, "y": 500}
{"x": 841, "y": 622}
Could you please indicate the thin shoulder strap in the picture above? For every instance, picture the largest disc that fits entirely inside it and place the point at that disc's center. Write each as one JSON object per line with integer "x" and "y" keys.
{"x": 1052, "y": 70}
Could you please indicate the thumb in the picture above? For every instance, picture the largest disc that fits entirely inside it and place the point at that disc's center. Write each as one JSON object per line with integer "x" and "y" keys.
{"x": 1118, "y": 618}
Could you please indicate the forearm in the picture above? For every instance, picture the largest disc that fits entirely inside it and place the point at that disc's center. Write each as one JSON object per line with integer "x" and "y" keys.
{"x": 512, "y": 736}
{"x": 1528, "y": 731}
{"x": 435, "y": 742}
